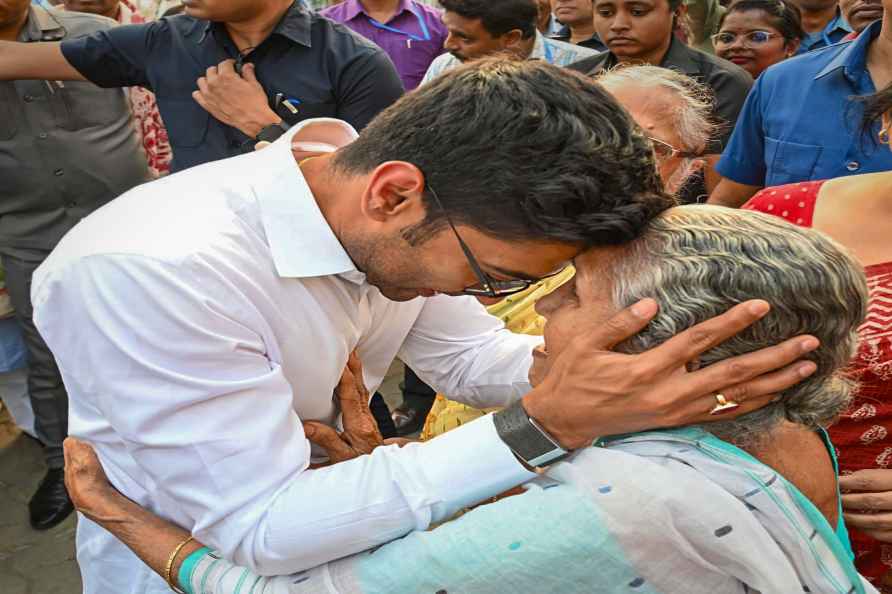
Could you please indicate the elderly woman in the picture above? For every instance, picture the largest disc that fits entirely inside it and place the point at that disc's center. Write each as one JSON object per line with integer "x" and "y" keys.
{"x": 732, "y": 507}
{"x": 674, "y": 111}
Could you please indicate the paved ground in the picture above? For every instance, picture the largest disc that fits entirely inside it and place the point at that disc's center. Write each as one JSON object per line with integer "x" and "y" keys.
{"x": 43, "y": 562}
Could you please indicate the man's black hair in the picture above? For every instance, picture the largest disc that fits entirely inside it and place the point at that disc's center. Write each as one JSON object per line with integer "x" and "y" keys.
{"x": 498, "y": 16}
{"x": 520, "y": 150}
{"x": 785, "y": 16}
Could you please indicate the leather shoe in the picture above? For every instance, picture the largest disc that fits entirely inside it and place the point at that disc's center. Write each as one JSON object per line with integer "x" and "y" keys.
{"x": 407, "y": 420}
{"x": 50, "y": 504}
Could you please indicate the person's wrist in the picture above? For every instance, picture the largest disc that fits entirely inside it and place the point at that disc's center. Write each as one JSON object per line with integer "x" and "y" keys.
{"x": 257, "y": 123}
{"x": 537, "y": 405}
{"x": 100, "y": 503}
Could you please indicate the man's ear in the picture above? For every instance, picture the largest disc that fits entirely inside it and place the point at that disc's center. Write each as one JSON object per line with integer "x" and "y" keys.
{"x": 394, "y": 191}
{"x": 512, "y": 40}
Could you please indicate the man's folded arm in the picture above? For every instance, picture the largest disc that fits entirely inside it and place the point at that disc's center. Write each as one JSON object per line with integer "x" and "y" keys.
{"x": 462, "y": 351}
{"x": 183, "y": 377}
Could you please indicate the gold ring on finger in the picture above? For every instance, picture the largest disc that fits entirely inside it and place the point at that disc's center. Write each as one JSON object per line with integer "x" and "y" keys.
{"x": 723, "y": 405}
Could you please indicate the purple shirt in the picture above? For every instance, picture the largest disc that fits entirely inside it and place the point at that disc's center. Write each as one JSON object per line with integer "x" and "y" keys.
{"x": 420, "y": 40}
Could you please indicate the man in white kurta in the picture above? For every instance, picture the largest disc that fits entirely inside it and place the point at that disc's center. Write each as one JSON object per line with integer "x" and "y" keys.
{"x": 198, "y": 319}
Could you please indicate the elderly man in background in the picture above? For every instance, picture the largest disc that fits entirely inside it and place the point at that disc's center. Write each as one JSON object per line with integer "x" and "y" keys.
{"x": 65, "y": 150}
{"x": 479, "y": 28}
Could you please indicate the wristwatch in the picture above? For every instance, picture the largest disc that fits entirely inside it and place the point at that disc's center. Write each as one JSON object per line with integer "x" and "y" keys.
{"x": 272, "y": 132}
{"x": 529, "y": 442}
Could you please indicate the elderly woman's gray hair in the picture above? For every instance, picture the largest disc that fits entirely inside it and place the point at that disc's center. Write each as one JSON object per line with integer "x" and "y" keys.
{"x": 692, "y": 118}
{"x": 698, "y": 261}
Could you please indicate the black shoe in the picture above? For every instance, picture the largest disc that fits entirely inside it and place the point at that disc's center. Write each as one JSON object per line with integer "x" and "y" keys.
{"x": 407, "y": 420}
{"x": 50, "y": 504}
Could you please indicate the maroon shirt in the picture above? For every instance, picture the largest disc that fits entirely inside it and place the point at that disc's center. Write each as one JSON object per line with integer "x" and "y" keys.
{"x": 412, "y": 38}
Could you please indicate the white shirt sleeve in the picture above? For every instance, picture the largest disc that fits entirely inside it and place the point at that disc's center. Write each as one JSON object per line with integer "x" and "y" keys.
{"x": 172, "y": 358}
{"x": 467, "y": 354}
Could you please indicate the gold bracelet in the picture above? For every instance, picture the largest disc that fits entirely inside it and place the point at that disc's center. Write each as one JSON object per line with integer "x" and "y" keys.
{"x": 170, "y": 560}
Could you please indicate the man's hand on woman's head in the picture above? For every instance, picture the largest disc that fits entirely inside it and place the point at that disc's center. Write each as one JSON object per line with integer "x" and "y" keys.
{"x": 591, "y": 391}
{"x": 361, "y": 434}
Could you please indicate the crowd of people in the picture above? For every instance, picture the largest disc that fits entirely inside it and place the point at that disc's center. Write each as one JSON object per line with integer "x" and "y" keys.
{"x": 634, "y": 255}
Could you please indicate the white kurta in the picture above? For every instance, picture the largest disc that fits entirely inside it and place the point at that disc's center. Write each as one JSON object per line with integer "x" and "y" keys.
{"x": 197, "y": 319}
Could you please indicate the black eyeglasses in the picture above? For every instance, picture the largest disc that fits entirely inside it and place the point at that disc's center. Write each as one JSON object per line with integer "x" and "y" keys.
{"x": 488, "y": 286}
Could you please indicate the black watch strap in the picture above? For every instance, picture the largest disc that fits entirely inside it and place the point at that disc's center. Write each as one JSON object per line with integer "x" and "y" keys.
{"x": 272, "y": 132}
{"x": 525, "y": 438}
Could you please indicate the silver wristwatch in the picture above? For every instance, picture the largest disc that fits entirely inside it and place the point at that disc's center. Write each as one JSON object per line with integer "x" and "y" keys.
{"x": 529, "y": 442}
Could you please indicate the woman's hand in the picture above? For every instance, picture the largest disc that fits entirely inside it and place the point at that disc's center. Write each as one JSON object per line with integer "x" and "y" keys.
{"x": 87, "y": 484}
{"x": 867, "y": 502}
{"x": 361, "y": 434}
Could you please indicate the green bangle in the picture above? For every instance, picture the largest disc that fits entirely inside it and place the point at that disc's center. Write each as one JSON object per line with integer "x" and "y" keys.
{"x": 184, "y": 577}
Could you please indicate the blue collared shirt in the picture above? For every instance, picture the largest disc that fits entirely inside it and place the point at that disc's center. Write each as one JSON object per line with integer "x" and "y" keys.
{"x": 800, "y": 123}
{"x": 835, "y": 31}
{"x": 327, "y": 70}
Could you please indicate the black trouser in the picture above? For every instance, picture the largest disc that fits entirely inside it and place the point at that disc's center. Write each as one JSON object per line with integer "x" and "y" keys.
{"x": 48, "y": 396}
{"x": 417, "y": 394}
{"x": 381, "y": 412}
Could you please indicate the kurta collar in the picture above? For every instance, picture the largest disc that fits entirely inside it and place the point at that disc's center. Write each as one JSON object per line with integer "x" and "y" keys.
{"x": 302, "y": 243}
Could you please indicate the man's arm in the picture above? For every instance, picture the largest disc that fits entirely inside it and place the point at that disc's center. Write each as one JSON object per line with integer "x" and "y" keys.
{"x": 37, "y": 61}
{"x": 732, "y": 194}
{"x": 742, "y": 164}
{"x": 208, "y": 418}
{"x": 462, "y": 351}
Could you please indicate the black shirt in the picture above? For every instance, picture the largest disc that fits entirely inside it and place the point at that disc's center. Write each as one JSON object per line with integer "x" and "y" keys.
{"x": 594, "y": 42}
{"x": 329, "y": 69}
{"x": 729, "y": 82}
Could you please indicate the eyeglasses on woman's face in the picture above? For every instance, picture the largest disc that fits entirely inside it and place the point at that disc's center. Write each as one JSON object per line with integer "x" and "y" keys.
{"x": 663, "y": 150}
{"x": 751, "y": 39}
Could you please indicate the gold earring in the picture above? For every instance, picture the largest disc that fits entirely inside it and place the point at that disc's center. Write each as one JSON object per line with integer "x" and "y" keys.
{"x": 884, "y": 134}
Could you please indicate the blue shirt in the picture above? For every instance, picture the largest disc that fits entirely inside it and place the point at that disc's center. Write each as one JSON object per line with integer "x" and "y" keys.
{"x": 799, "y": 122}
{"x": 326, "y": 69}
{"x": 835, "y": 31}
